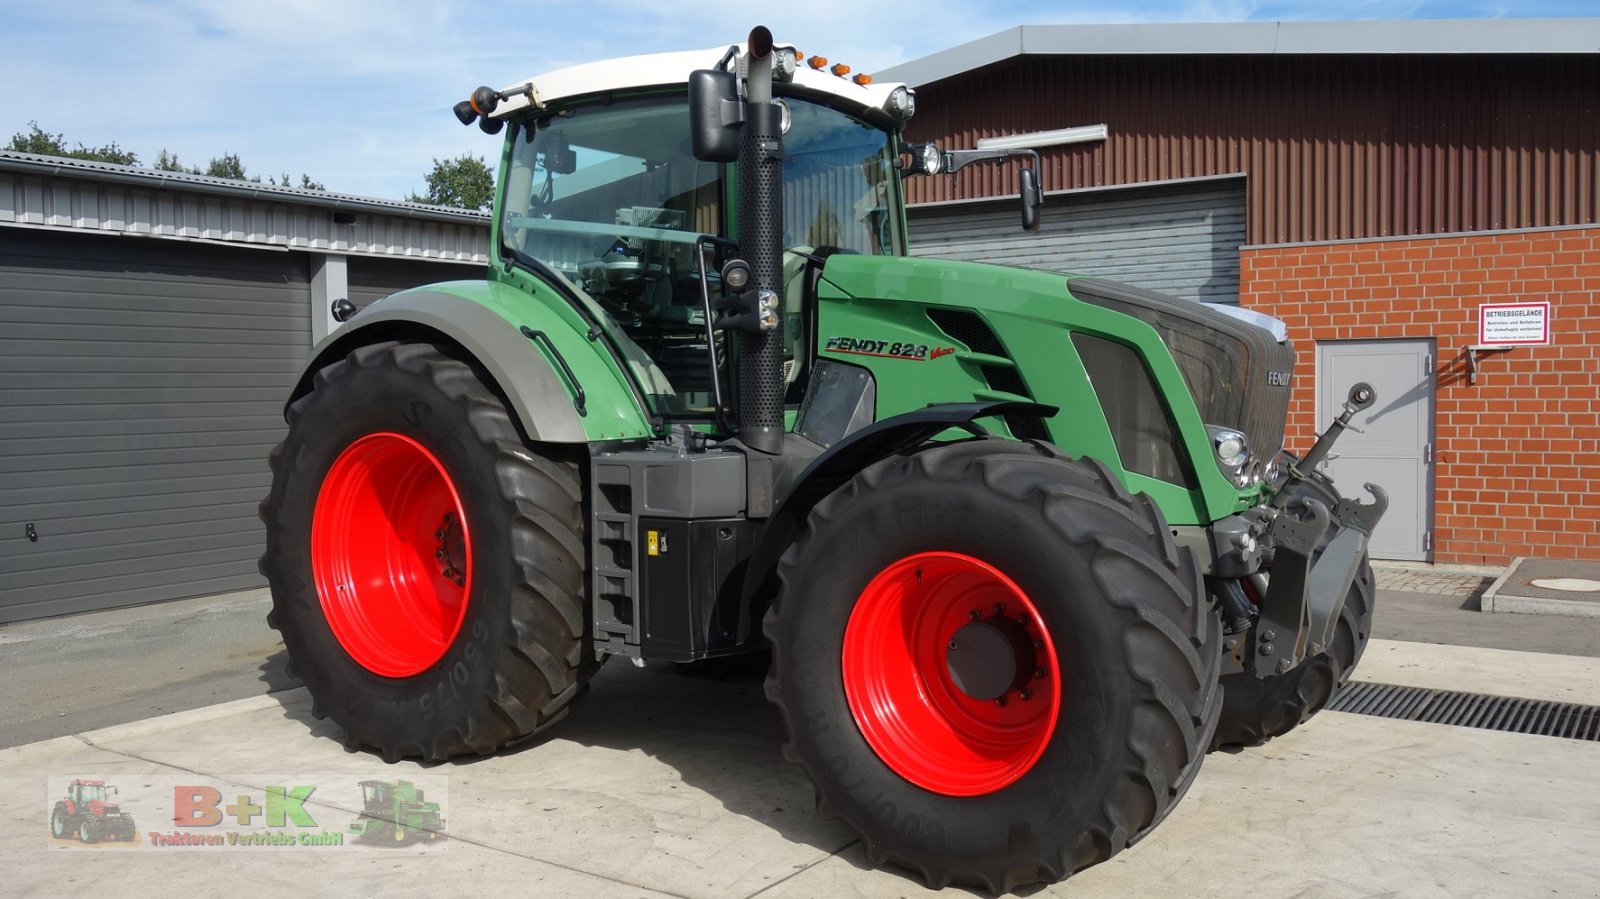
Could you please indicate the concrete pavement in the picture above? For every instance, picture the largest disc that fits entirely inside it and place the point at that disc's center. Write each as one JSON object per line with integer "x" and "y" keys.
{"x": 661, "y": 783}
{"x": 82, "y": 672}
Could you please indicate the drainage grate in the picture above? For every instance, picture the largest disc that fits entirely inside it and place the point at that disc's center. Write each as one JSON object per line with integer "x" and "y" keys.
{"x": 1518, "y": 716}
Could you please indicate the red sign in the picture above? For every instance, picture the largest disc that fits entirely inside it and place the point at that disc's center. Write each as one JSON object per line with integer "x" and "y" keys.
{"x": 1513, "y": 324}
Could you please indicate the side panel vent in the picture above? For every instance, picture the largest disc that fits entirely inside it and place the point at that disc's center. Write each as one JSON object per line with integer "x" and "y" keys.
{"x": 970, "y": 329}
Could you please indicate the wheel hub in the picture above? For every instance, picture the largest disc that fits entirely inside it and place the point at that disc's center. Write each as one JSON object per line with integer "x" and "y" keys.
{"x": 451, "y": 553}
{"x": 991, "y": 657}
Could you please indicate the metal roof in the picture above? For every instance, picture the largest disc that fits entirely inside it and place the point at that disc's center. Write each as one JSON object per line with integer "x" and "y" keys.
{"x": 1412, "y": 36}
{"x": 48, "y": 192}
{"x": 31, "y": 164}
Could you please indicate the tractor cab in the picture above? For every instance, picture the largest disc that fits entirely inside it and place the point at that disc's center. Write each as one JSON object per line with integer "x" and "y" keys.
{"x": 603, "y": 191}
{"x": 83, "y": 792}
{"x": 376, "y": 793}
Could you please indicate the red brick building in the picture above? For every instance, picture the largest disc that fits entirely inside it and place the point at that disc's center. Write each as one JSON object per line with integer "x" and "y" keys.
{"x": 1373, "y": 184}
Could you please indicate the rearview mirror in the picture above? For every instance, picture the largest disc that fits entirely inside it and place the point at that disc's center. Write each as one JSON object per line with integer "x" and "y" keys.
{"x": 715, "y": 115}
{"x": 1032, "y": 197}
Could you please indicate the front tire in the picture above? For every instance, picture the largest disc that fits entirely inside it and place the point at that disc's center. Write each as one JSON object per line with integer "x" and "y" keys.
{"x": 60, "y": 827}
{"x": 426, "y": 563}
{"x": 935, "y": 763}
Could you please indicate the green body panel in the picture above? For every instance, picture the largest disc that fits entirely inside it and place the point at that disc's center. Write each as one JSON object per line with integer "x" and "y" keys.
{"x": 521, "y": 300}
{"x": 885, "y": 298}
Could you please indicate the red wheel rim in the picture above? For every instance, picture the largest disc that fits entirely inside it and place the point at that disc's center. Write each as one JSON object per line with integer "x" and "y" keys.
{"x": 904, "y": 681}
{"x": 390, "y": 554}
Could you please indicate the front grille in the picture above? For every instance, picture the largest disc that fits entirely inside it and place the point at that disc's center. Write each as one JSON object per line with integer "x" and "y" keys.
{"x": 1226, "y": 363}
{"x": 970, "y": 329}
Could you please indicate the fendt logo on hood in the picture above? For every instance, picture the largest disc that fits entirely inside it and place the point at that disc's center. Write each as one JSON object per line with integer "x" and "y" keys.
{"x": 1278, "y": 379}
{"x": 861, "y": 346}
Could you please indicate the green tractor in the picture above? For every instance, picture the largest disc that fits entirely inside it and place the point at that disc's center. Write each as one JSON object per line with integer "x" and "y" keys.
{"x": 396, "y": 812}
{"x": 1022, "y": 545}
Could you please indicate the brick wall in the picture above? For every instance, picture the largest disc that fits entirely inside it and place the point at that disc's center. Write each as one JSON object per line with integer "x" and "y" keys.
{"x": 1518, "y": 455}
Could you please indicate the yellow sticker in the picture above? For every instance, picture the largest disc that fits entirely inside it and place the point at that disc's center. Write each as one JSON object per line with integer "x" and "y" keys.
{"x": 652, "y": 543}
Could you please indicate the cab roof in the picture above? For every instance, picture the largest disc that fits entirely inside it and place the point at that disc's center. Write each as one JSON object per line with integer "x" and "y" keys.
{"x": 666, "y": 69}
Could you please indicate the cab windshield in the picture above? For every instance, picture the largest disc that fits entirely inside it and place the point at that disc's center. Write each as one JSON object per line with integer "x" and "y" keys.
{"x": 612, "y": 199}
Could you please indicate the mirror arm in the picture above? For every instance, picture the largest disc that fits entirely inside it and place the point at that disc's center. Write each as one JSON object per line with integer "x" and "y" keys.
{"x": 956, "y": 160}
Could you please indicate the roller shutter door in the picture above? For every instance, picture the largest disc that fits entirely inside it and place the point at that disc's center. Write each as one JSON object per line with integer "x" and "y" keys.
{"x": 373, "y": 279}
{"x": 1180, "y": 239}
{"x": 141, "y": 387}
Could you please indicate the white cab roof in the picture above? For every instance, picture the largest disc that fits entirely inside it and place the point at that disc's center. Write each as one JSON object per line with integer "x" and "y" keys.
{"x": 661, "y": 69}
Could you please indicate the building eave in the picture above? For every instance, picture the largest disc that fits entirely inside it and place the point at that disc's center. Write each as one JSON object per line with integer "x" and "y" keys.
{"x": 1405, "y": 37}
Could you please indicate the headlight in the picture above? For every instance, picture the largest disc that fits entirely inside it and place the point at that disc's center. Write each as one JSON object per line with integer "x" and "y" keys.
{"x": 932, "y": 159}
{"x": 1233, "y": 455}
{"x": 1278, "y": 469}
{"x": 902, "y": 103}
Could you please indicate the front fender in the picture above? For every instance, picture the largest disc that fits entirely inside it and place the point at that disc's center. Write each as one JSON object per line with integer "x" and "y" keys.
{"x": 486, "y": 321}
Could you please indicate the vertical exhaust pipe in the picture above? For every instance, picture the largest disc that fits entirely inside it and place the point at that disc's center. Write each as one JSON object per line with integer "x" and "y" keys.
{"x": 761, "y": 384}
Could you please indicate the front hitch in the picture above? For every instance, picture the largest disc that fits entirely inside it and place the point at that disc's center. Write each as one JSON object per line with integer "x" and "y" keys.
{"x": 1319, "y": 539}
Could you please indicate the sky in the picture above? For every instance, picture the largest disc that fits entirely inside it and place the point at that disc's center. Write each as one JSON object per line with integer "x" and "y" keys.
{"x": 357, "y": 93}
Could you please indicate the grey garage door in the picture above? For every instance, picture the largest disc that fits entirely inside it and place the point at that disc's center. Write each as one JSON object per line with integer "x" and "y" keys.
{"x": 141, "y": 387}
{"x": 1180, "y": 239}
{"x": 375, "y": 278}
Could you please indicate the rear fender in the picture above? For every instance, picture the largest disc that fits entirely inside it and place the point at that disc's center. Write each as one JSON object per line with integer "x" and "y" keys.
{"x": 542, "y": 379}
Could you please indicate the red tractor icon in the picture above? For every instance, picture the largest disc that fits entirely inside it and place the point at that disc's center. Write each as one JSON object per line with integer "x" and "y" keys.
{"x": 88, "y": 814}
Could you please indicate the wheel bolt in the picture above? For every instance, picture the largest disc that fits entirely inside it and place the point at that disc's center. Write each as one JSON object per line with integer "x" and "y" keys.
{"x": 1001, "y": 702}
{"x": 439, "y": 534}
{"x": 1038, "y": 644}
{"x": 1038, "y": 672}
{"x": 973, "y": 615}
{"x": 953, "y": 644}
{"x": 438, "y": 554}
{"x": 1025, "y": 694}
{"x": 999, "y": 608}
{"x": 461, "y": 582}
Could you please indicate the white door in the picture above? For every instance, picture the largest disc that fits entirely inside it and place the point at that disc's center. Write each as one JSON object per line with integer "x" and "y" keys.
{"x": 1396, "y": 450}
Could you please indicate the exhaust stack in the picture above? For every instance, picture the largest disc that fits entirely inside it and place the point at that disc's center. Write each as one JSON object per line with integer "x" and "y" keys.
{"x": 761, "y": 386}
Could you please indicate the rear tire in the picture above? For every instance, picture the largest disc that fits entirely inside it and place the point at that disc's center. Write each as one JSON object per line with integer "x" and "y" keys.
{"x": 491, "y": 648}
{"x": 1126, "y": 632}
{"x": 1254, "y": 710}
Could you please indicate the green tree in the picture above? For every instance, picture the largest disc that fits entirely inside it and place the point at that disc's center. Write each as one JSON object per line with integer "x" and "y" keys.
{"x": 464, "y": 182}
{"x": 37, "y": 140}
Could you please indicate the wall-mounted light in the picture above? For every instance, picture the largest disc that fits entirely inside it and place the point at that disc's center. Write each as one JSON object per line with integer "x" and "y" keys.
{"x": 1033, "y": 140}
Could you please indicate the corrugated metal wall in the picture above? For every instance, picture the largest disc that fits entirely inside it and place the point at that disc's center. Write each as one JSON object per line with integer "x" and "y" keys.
{"x": 115, "y": 208}
{"x": 1180, "y": 239}
{"x": 1336, "y": 147}
{"x": 141, "y": 386}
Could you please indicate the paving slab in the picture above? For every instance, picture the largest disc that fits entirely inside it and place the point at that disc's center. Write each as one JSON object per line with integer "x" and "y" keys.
{"x": 667, "y": 784}
{"x": 1472, "y": 669}
{"x": 1346, "y": 806}
{"x": 1547, "y": 587}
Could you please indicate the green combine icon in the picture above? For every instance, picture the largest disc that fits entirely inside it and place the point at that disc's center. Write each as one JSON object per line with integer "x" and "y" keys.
{"x": 395, "y": 812}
